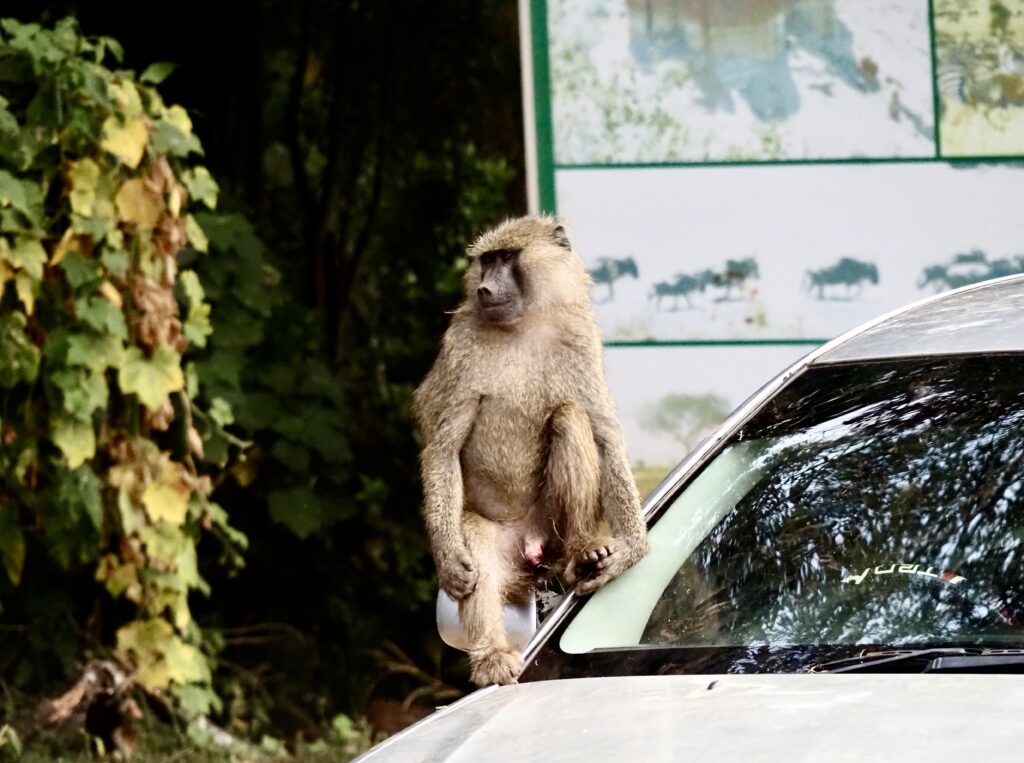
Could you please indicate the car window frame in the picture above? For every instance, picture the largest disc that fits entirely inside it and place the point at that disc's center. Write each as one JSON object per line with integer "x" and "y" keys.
{"x": 697, "y": 659}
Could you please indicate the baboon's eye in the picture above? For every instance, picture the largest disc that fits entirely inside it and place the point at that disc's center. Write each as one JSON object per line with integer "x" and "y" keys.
{"x": 506, "y": 255}
{"x": 487, "y": 258}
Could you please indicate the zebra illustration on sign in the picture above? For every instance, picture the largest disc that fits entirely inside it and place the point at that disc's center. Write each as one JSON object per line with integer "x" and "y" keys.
{"x": 847, "y": 272}
{"x": 608, "y": 271}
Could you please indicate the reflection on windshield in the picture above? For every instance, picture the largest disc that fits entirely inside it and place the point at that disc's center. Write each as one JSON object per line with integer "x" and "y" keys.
{"x": 875, "y": 504}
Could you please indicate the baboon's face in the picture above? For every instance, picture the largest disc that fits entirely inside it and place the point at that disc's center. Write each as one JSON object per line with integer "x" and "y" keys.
{"x": 500, "y": 296}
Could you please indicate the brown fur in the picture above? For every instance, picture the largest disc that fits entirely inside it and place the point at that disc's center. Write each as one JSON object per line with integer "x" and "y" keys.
{"x": 521, "y": 442}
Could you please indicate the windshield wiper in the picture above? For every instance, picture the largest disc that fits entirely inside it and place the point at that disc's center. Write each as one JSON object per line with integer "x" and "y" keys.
{"x": 938, "y": 660}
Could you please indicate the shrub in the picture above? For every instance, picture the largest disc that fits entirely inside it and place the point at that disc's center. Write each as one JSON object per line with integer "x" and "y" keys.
{"x": 102, "y": 456}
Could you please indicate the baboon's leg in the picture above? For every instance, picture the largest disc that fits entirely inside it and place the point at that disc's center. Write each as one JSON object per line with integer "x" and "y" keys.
{"x": 492, "y": 659}
{"x": 572, "y": 479}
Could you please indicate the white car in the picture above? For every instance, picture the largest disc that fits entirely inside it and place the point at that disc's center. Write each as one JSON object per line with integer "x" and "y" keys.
{"x": 836, "y": 573}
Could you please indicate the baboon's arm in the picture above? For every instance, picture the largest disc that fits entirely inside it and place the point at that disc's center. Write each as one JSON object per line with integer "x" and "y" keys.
{"x": 620, "y": 501}
{"x": 441, "y": 471}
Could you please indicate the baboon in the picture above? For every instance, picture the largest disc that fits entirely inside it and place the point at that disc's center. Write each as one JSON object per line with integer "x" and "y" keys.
{"x": 523, "y": 463}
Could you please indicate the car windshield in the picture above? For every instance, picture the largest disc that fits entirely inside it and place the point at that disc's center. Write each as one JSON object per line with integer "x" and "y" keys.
{"x": 873, "y": 503}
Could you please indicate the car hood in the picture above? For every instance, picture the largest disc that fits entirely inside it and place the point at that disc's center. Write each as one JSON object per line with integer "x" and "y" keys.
{"x": 763, "y": 717}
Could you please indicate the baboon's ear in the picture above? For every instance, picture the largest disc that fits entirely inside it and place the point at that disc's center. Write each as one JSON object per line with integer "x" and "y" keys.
{"x": 561, "y": 237}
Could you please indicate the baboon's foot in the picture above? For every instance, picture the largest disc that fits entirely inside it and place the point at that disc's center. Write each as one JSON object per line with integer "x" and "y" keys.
{"x": 495, "y": 666}
{"x": 598, "y": 563}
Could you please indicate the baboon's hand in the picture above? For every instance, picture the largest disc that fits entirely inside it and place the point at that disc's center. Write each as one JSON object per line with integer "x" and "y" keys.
{"x": 457, "y": 573}
{"x": 599, "y": 563}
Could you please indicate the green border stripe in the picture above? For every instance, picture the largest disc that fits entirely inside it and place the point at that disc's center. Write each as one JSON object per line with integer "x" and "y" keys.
{"x": 936, "y": 104}
{"x": 542, "y": 106}
{"x": 717, "y": 343}
{"x": 1009, "y": 159}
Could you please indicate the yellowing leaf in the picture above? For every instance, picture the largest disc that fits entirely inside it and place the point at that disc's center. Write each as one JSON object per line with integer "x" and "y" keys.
{"x": 111, "y": 294}
{"x": 127, "y": 140}
{"x": 6, "y": 274}
{"x": 165, "y": 503}
{"x": 26, "y": 288}
{"x": 84, "y": 176}
{"x": 166, "y": 500}
{"x": 152, "y": 379}
{"x": 174, "y": 199}
{"x": 138, "y": 205}
{"x": 76, "y": 440}
{"x": 178, "y": 117}
{"x": 126, "y": 95}
{"x": 160, "y": 656}
{"x": 68, "y": 243}
{"x": 119, "y": 578}
{"x": 12, "y": 544}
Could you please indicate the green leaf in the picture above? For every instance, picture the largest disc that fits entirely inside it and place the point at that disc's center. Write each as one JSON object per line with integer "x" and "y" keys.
{"x": 295, "y": 457}
{"x": 76, "y": 440}
{"x": 297, "y": 509}
{"x": 29, "y": 255}
{"x": 80, "y": 270}
{"x": 152, "y": 379}
{"x": 99, "y": 314}
{"x": 157, "y": 72}
{"x": 195, "y": 234}
{"x": 98, "y": 352}
{"x": 81, "y": 489}
{"x": 115, "y": 261}
{"x": 195, "y": 700}
{"x": 197, "y": 326}
{"x": 19, "y": 358}
{"x": 221, "y": 413}
{"x": 173, "y": 134}
{"x": 201, "y": 186}
{"x": 113, "y": 46}
{"x": 83, "y": 393}
{"x": 164, "y": 542}
{"x": 19, "y": 195}
{"x": 191, "y": 286}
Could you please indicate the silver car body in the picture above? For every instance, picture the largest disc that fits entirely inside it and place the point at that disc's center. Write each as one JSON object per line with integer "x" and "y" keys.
{"x": 776, "y": 717}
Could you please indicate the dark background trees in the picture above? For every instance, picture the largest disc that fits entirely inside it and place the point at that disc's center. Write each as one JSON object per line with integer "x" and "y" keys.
{"x": 358, "y": 146}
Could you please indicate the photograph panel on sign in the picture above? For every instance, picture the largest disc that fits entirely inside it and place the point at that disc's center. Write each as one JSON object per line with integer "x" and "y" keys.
{"x": 784, "y": 253}
{"x": 656, "y": 81}
{"x": 670, "y": 398}
{"x": 979, "y": 48}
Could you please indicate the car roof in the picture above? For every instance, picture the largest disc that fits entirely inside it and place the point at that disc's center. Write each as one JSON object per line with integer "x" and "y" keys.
{"x": 983, "y": 318}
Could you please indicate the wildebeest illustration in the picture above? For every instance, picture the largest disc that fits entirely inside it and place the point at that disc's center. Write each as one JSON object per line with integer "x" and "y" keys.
{"x": 735, "y": 275}
{"x": 683, "y": 286}
{"x": 966, "y": 268}
{"x": 848, "y": 272}
{"x": 608, "y": 271}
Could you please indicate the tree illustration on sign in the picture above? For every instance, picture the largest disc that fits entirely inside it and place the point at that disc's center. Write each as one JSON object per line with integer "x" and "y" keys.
{"x": 685, "y": 418}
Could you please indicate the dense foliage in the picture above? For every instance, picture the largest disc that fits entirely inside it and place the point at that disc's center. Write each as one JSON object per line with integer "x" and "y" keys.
{"x": 99, "y": 471}
{"x": 352, "y": 176}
